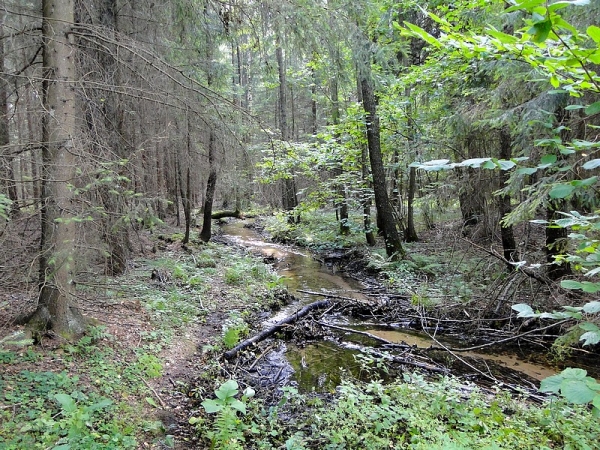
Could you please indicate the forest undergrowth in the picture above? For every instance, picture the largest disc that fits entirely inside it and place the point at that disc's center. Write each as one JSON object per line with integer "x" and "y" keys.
{"x": 149, "y": 372}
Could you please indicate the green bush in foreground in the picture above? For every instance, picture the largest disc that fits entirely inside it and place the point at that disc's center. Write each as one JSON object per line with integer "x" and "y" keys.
{"x": 415, "y": 414}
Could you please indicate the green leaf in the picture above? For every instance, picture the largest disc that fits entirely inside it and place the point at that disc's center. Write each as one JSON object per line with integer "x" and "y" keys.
{"x": 551, "y": 384}
{"x": 66, "y": 401}
{"x": 227, "y": 389}
{"x": 420, "y": 32}
{"x": 527, "y": 5}
{"x": 151, "y": 402}
{"x": 548, "y": 159}
{"x": 62, "y": 447}
{"x": 489, "y": 165}
{"x": 590, "y": 338}
{"x": 585, "y": 286}
{"x": 594, "y": 108}
{"x": 592, "y": 164}
{"x": 594, "y": 32}
{"x": 527, "y": 170}
{"x": 506, "y": 164}
{"x": 561, "y": 191}
{"x": 592, "y": 307}
{"x": 238, "y": 406}
{"x": 211, "y": 406}
{"x": 524, "y": 310}
{"x": 540, "y": 31}
{"x": 577, "y": 391}
{"x": 574, "y": 373}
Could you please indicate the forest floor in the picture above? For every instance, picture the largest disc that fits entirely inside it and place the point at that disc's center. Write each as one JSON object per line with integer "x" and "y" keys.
{"x": 154, "y": 350}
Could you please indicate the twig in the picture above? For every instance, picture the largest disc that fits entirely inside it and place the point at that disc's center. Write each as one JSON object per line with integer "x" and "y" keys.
{"x": 501, "y": 341}
{"x": 363, "y": 333}
{"x": 155, "y": 394}
{"x": 322, "y": 294}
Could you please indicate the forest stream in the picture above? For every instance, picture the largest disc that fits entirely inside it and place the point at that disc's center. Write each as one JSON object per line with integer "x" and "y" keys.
{"x": 319, "y": 365}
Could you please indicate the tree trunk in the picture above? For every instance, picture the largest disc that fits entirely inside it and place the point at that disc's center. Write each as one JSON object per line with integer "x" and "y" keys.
{"x": 365, "y": 191}
{"x": 411, "y": 233}
{"x": 393, "y": 244}
{"x": 7, "y": 171}
{"x": 211, "y": 185}
{"x": 509, "y": 246}
{"x": 57, "y": 260}
{"x": 556, "y": 243}
{"x": 289, "y": 199}
{"x": 342, "y": 202}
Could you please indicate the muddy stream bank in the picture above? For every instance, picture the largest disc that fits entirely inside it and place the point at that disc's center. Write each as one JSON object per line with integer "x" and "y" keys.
{"x": 319, "y": 365}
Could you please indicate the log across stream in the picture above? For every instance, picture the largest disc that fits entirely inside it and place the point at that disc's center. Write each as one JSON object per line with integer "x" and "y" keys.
{"x": 320, "y": 365}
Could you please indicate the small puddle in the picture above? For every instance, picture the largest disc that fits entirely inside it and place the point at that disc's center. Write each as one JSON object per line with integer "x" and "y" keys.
{"x": 320, "y": 366}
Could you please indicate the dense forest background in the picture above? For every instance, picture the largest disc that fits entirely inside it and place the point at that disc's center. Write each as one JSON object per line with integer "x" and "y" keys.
{"x": 116, "y": 115}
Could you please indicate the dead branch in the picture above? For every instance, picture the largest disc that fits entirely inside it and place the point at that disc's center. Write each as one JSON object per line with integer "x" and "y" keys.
{"x": 275, "y": 328}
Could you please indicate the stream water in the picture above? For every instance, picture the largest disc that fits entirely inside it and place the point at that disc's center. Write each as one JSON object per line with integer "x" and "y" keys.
{"x": 320, "y": 366}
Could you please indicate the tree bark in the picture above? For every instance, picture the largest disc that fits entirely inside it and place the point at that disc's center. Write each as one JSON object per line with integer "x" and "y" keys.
{"x": 8, "y": 170}
{"x": 393, "y": 244}
{"x": 289, "y": 198}
{"x": 509, "y": 246}
{"x": 365, "y": 191}
{"x": 411, "y": 233}
{"x": 211, "y": 185}
{"x": 56, "y": 308}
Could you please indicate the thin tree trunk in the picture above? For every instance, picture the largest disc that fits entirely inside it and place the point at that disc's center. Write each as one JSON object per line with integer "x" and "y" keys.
{"x": 366, "y": 190}
{"x": 289, "y": 185}
{"x": 211, "y": 185}
{"x": 8, "y": 170}
{"x": 509, "y": 246}
{"x": 393, "y": 244}
{"x": 411, "y": 233}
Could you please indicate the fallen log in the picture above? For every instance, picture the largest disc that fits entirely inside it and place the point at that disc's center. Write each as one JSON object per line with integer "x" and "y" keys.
{"x": 222, "y": 214}
{"x": 275, "y": 328}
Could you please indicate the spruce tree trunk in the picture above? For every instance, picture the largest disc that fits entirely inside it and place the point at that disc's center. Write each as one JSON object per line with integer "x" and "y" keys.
{"x": 56, "y": 308}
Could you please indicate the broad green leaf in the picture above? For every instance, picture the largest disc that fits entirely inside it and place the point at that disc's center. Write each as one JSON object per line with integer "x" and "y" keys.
{"x": 474, "y": 162}
{"x": 572, "y": 107}
{"x": 592, "y": 164}
{"x": 420, "y": 32}
{"x": 66, "y": 401}
{"x": 590, "y": 338}
{"x": 548, "y": 159}
{"x": 238, "y": 406}
{"x": 551, "y": 384}
{"x": 577, "y": 391}
{"x": 540, "y": 31}
{"x": 211, "y": 406}
{"x": 594, "y": 108}
{"x": 151, "y": 402}
{"x": 524, "y": 310}
{"x": 594, "y": 32}
{"x": 570, "y": 284}
{"x": 489, "y": 165}
{"x": 561, "y": 191}
{"x": 574, "y": 373}
{"x": 506, "y": 164}
{"x": 592, "y": 307}
{"x": 527, "y": 5}
{"x": 62, "y": 447}
{"x": 527, "y": 170}
{"x": 596, "y": 401}
{"x": 227, "y": 389}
